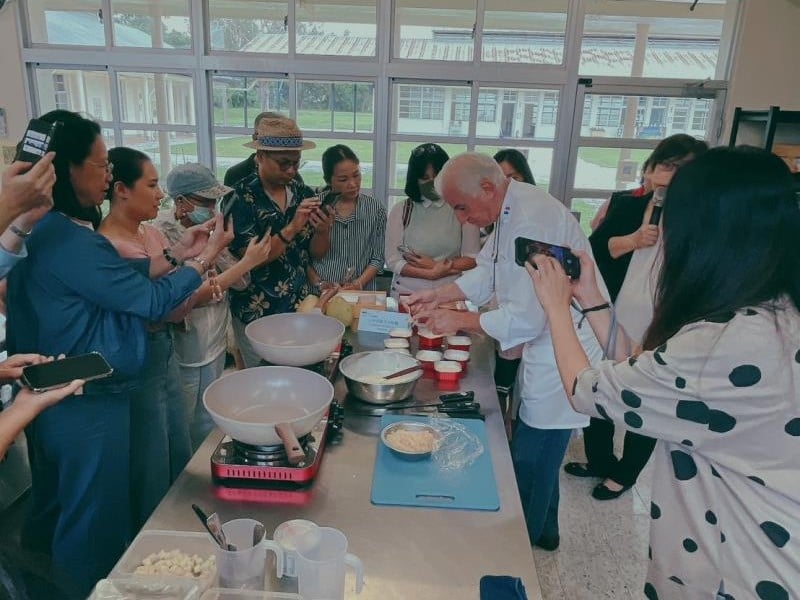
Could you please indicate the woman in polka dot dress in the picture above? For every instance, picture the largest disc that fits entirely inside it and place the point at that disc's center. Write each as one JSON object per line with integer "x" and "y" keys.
{"x": 718, "y": 384}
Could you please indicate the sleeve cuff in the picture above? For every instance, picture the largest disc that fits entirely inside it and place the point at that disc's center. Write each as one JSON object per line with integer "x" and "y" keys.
{"x": 13, "y": 257}
{"x": 583, "y": 397}
{"x": 398, "y": 266}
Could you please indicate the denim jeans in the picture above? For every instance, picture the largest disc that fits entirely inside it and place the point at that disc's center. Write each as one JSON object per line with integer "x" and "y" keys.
{"x": 249, "y": 356}
{"x": 537, "y": 455}
{"x": 160, "y": 444}
{"x": 194, "y": 381}
{"x": 79, "y": 455}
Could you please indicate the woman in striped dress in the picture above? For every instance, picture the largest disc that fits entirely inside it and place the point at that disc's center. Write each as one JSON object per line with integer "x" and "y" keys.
{"x": 355, "y": 256}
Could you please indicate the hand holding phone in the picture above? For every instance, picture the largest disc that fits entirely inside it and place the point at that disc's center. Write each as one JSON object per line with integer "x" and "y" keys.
{"x": 57, "y": 373}
{"x": 525, "y": 249}
{"x": 37, "y": 141}
{"x": 227, "y": 206}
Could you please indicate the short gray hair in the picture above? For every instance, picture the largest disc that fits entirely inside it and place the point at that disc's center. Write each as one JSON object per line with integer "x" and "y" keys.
{"x": 467, "y": 171}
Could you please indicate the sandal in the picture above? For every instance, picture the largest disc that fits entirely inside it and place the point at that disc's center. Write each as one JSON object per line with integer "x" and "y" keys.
{"x": 577, "y": 469}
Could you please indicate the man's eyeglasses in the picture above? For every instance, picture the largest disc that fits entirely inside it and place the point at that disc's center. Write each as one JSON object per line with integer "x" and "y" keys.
{"x": 284, "y": 164}
{"x": 108, "y": 166}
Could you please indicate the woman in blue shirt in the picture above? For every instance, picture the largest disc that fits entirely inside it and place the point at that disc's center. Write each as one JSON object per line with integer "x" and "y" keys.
{"x": 74, "y": 294}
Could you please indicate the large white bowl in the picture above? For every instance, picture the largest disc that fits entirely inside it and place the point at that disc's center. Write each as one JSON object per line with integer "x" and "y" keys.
{"x": 295, "y": 339}
{"x": 247, "y": 404}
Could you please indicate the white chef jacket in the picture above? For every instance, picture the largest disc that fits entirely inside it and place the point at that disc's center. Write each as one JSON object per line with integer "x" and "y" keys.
{"x": 529, "y": 212}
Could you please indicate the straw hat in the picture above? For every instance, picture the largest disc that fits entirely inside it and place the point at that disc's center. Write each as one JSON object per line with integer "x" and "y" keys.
{"x": 279, "y": 134}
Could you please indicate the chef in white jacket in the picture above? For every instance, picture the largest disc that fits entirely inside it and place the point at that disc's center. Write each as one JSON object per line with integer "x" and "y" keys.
{"x": 480, "y": 194}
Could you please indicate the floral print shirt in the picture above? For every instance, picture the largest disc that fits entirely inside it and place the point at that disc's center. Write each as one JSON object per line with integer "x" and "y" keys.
{"x": 275, "y": 287}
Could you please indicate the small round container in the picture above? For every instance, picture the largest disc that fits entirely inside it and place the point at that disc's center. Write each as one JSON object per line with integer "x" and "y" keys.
{"x": 398, "y": 350}
{"x": 411, "y": 427}
{"x": 459, "y": 356}
{"x": 459, "y": 342}
{"x": 395, "y": 343}
{"x": 427, "y": 359}
{"x": 429, "y": 340}
{"x": 447, "y": 371}
{"x": 401, "y": 333}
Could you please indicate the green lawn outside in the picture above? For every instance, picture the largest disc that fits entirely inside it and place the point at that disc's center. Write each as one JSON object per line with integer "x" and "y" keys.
{"x": 609, "y": 157}
{"x": 311, "y": 120}
{"x": 588, "y": 209}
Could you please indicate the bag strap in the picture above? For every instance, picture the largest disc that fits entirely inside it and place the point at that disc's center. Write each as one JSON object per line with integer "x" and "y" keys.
{"x": 408, "y": 206}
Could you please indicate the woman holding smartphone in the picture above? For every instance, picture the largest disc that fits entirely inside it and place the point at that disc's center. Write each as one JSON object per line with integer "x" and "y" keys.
{"x": 718, "y": 381}
{"x": 73, "y": 295}
{"x": 426, "y": 246}
{"x": 357, "y": 228}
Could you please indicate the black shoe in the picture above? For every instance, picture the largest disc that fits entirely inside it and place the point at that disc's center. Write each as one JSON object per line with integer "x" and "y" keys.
{"x": 581, "y": 470}
{"x": 601, "y": 492}
{"x": 548, "y": 543}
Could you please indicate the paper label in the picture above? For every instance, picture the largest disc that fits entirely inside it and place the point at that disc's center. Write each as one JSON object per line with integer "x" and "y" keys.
{"x": 381, "y": 321}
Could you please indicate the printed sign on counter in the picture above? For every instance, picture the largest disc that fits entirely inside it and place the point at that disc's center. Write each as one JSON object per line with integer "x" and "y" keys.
{"x": 381, "y": 321}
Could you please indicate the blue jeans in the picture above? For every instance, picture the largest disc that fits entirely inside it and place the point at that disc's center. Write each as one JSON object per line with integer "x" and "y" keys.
{"x": 160, "y": 444}
{"x": 79, "y": 453}
{"x": 194, "y": 381}
{"x": 537, "y": 455}
{"x": 249, "y": 356}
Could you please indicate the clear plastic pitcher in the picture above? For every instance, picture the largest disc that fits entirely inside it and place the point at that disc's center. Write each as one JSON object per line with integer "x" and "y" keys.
{"x": 244, "y": 568}
{"x": 321, "y": 561}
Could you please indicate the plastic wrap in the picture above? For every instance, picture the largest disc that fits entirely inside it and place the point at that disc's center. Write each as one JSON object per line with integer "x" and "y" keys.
{"x": 458, "y": 447}
{"x": 144, "y": 589}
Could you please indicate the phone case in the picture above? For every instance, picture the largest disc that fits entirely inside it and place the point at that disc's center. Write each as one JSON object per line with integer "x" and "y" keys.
{"x": 30, "y": 385}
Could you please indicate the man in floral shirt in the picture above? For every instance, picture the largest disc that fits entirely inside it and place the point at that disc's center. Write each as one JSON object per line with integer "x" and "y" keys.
{"x": 271, "y": 201}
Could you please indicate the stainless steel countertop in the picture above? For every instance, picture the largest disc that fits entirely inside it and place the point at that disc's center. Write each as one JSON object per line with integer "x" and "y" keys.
{"x": 408, "y": 553}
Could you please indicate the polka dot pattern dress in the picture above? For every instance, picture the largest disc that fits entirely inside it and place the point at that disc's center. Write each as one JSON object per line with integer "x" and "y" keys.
{"x": 722, "y": 397}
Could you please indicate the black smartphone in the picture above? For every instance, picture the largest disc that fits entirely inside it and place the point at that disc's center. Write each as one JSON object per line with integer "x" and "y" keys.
{"x": 227, "y": 206}
{"x": 58, "y": 373}
{"x": 525, "y": 250}
{"x": 37, "y": 141}
{"x": 329, "y": 199}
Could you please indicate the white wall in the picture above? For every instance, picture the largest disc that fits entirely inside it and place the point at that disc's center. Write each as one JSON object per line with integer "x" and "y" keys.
{"x": 766, "y": 69}
{"x": 12, "y": 89}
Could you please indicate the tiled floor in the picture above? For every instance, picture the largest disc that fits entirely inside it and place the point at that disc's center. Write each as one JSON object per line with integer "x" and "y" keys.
{"x": 603, "y": 552}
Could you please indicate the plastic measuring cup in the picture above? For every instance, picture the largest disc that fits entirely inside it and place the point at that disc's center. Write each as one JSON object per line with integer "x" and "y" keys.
{"x": 321, "y": 561}
{"x": 286, "y": 534}
{"x": 245, "y": 567}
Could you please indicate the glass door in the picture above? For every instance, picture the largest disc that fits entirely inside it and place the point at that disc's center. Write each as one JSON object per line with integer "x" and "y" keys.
{"x": 616, "y": 127}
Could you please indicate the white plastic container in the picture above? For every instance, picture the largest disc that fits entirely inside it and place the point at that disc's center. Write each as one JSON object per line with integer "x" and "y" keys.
{"x": 151, "y": 542}
{"x": 143, "y": 587}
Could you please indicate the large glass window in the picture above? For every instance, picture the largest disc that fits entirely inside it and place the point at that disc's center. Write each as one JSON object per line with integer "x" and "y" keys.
{"x": 432, "y": 109}
{"x": 74, "y": 89}
{"x": 249, "y": 26}
{"x": 236, "y": 101}
{"x": 514, "y": 33}
{"x": 521, "y": 113}
{"x": 151, "y": 23}
{"x": 76, "y": 23}
{"x": 434, "y": 29}
{"x": 642, "y": 38}
{"x": 167, "y": 149}
{"x": 335, "y": 106}
{"x": 163, "y": 98}
{"x": 609, "y": 168}
{"x": 336, "y": 28}
{"x": 401, "y": 153}
{"x": 540, "y": 160}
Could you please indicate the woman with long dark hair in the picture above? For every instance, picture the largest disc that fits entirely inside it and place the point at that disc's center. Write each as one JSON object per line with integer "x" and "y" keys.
{"x": 625, "y": 245}
{"x": 74, "y": 294}
{"x": 426, "y": 246}
{"x": 357, "y": 229}
{"x": 718, "y": 382}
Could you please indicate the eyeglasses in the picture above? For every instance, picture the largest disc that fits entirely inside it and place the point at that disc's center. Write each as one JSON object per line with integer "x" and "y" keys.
{"x": 284, "y": 164}
{"x": 108, "y": 166}
{"x": 425, "y": 149}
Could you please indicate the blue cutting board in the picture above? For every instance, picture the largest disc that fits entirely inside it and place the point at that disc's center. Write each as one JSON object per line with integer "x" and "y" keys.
{"x": 400, "y": 482}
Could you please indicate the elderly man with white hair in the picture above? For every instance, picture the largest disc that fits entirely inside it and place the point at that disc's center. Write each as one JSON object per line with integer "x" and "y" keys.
{"x": 476, "y": 188}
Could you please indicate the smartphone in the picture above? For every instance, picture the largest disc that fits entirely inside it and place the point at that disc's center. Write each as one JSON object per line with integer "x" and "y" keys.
{"x": 37, "y": 141}
{"x": 525, "y": 250}
{"x": 227, "y": 205}
{"x": 329, "y": 199}
{"x": 58, "y": 373}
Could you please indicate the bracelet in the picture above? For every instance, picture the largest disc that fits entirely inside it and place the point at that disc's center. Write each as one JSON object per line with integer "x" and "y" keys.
{"x": 18, "y": 232}
{"x": 203, "y": 264}
{"x": 283, "y": 239}
{"x": 171, "y": 259}
{"x": 585, "y": 311}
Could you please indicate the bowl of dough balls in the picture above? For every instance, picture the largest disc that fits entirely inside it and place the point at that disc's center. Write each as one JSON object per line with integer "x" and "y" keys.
{"x": 411, "y": 440}
{"x": 365, "y": 375}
